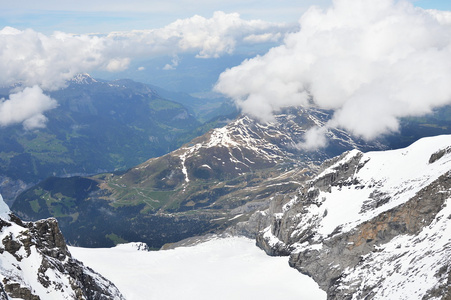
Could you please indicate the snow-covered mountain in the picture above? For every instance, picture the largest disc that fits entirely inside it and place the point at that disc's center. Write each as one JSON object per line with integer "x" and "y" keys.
{"x": 36, "y": 264}
{"x": 207, "y": 184}
{"x": 243, "y": 147}
{"x": 373, "y": 225}
{"x": 247, "y": 145}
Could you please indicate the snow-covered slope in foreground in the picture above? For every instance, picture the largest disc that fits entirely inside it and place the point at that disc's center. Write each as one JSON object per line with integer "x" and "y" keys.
{"x": 373, "y": 225}
{"x": 230, "y": 268}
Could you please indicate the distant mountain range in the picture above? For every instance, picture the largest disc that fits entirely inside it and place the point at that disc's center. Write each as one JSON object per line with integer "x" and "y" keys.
{"x": 206, "y": 185}
{"x": 104, "y": 126}
{"x": 100, "y": 126}
{"x": 370, "y": 224}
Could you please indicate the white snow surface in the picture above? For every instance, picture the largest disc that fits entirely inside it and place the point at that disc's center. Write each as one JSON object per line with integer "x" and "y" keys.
{"x": 395, "y": 174}
{"x": 222, "y": 268}
{"x": 4, "y": 209}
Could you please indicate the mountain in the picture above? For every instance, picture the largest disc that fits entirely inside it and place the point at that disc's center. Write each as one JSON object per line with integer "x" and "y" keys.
{"x": 204, "y": 107}
{"x": 35, "y": 263}
{"x": 373, "y": 225}
{"x": 98, "y": 126}
{"x": 206, "y": 185}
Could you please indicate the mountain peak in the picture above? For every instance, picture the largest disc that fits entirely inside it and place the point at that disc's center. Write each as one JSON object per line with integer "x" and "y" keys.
{"x": 83, "y": 78}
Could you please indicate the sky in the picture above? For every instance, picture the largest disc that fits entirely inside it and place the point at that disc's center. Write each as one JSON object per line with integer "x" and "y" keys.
{"x": 103, "y": 16}
{"x": 371, "y": 62}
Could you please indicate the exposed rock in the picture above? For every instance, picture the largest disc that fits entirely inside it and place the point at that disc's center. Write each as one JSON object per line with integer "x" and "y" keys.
{"x": 439, "y": 154}
{"x": 393, "y": 234}
{"x": 57, "y": 273}
{"x": 346, "y": 250}
{"x": 11, "y": 246}
{"x": 3, "y": 295}
{"x": 16, "y": 291}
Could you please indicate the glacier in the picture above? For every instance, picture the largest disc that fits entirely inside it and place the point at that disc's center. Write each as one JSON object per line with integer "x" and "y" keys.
{"x": 221, "y": 268}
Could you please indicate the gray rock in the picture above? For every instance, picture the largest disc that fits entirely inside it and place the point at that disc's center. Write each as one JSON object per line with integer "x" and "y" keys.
{"x": 330, "y": 260}
{"x": 46, "y": 239}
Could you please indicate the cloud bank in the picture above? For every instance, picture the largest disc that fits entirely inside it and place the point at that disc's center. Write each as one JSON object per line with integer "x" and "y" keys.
{"x": 371, "y": 62}
{"x": 26, "y": 107}
{"x": 46, "y": 62}
{"x": 32, "y": 58}
{"x": 212, "y": 37}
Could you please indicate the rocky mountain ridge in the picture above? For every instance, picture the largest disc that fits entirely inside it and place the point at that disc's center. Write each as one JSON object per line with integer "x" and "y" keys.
{"x": 35, "y": 264}
{"x": 371, "y": 225}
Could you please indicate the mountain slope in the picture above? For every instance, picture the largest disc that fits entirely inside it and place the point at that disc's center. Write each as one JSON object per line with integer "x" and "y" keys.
{"x": 372, "y": 225}
{"x": 206, "y": 185}
{"x": 98, "y": 126}
{"x": 36, "y": 264}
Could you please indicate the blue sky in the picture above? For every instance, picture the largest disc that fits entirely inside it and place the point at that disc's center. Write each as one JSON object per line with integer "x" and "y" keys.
{"x": 85, "y": 16}
{"x": 434, "y": 4}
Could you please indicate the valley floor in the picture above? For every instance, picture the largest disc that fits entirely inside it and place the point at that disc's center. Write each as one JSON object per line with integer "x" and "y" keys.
{"x": 230, "y": 268}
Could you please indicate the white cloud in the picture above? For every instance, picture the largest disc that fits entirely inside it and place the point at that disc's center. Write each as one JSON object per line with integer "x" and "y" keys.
{"x": 211, "y": 37}
{"x": 35, "y": 122}
{"x": 173, "y": 65}
{"x": 33, "y": 58}
{"x": 118, "y": 64}
{"x": 262, "y": 38}
{"x": 371, "y": 62}
{"x": 314, "y": 138}
{"x": 26, "y": 107}
{"x": 48, "y": 61}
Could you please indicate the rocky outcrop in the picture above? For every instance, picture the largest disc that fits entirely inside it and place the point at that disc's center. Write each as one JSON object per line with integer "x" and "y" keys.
{"x": 36, "y": 264}
{"x": 372, "y": 227}
{"x": 346, "y": 250}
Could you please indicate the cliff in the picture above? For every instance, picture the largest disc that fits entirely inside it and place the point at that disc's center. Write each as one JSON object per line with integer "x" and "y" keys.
{"x": 371, "y": 225}
{"x": 35, "y": 263}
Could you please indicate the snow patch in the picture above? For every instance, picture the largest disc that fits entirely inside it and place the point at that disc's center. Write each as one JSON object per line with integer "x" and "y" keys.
{"x": 4, "y": 209}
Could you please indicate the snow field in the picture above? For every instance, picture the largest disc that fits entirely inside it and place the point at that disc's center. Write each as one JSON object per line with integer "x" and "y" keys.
{"x": 230, "y": 268}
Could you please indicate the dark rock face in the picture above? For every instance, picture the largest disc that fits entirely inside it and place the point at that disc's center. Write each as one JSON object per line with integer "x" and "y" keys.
{"x": 439, "y": 154}
{"x": 44, "y": 240}
{"x": 16, "y": 291}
